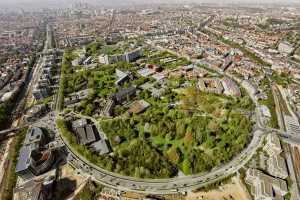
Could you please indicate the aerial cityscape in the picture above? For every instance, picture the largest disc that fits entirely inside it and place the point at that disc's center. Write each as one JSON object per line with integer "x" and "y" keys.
{"x": 149, "y": 100}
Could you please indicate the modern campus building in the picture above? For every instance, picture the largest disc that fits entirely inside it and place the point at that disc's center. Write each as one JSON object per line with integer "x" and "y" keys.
{"x": 87, "y": 134}
{"x": 34, "y": 158}
{"x": 126, "y": 57}
{"x": 76, "y": 97}
{"x": 122, "y": 77}
{"x": 123, "y": 95}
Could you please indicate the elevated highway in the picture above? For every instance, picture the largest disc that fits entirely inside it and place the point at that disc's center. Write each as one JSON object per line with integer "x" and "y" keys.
{"x": 4, "y": 134}
{"x": 164, "y": 186}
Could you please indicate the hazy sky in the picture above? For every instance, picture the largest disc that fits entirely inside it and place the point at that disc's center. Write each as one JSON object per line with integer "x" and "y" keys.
{"x": 63, "y": 3}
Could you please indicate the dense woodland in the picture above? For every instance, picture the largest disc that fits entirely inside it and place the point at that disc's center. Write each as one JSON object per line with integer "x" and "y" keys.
{"x": 205, "y": 131}
{"x": 137, "y": 158}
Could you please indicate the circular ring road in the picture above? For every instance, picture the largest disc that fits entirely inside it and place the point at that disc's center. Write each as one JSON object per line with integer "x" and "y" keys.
{"x": 168, "y": 185}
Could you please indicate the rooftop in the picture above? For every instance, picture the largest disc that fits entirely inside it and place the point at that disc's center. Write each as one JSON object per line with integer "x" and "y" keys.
{"x": 24, "y": 159}
{"x": 100, "y": 147}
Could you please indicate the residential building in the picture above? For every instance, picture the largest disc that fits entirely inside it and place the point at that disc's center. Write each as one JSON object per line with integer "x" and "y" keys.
{"x": 265, "y": 187}
{"x": 34, "y": 190}
{"x": 40, "y": 92}
{"x": 285, "y": 47}
{"x": 227, "y": 62}
{"x": 251, "y": 89}
{"x": 35, "y": 113}
{"x": 230, "y": 87}
{"x": 211, "y": 85}
{"x": 292, "y": 125}
{"x": 272, "y": 146}
{"x": 276, "y": 163}
{"x": 277, "y": 166}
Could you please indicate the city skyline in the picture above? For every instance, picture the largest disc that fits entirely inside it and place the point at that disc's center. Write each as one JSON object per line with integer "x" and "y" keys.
{"x": 27, "y": 4}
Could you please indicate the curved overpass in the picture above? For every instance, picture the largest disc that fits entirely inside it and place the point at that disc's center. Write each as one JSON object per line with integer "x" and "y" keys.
{"x": 164, "y": 186}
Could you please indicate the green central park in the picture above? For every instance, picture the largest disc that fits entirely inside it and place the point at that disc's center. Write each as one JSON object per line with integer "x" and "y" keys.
{"x": 184, "y": 131}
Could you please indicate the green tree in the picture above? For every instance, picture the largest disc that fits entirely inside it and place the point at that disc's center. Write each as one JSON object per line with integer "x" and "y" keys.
{"x": 186, "y": 167}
